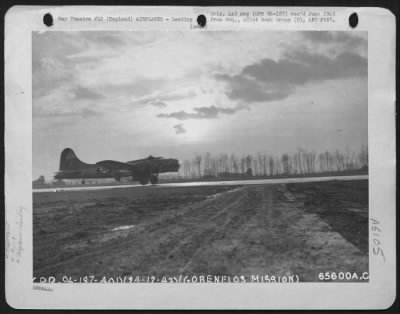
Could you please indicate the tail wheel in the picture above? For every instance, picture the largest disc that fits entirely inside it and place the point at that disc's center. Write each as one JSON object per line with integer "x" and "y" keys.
{"x": 154, "y": 179}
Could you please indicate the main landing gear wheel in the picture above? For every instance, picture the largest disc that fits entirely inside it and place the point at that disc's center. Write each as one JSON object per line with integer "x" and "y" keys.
{"x": 154, "y": 179}
{"x": 144, "y": 181}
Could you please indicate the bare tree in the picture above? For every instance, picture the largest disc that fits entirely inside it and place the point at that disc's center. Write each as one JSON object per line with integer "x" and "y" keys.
{"x": 243, "y": 164}
{"x": 234, "y": 164}
{"x": 187, "y": 169}
{"x": 224, "y": 162}
{"x": 309, "y": 158}
{"x": 249, "y": 160}
{"x": 262, "y": 163}
{"x": 363, "y": 156}
{"x": 197, "y": 162}
{"x": 322, "y": 162}
{"x": 285, "y": 163}
{"x": 300, "y": 162}
{"x": 207, "y": 164}
{"x": 271, "y": 166}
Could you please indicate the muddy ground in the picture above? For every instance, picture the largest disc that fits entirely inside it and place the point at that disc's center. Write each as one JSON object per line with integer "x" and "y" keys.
{"x": 280, "y": 230}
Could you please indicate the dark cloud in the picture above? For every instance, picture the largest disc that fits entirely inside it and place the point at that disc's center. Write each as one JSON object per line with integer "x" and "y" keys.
{"x": 300, "y": 68}
{"x": 150, "y": 101}
{"x": 326, "y": 37}
{"x": 249, "y": 89}
{"x": 211, "y": 112}
{"x": 85, "y": 93}
{"x": 160, "y": 99}
{"x": 318, "y": 36}
{"x": 158, "y": 103}
{"x": 84, "y": 113}
{"x": 269, "y": 80}
{"x": 179, "y": 129}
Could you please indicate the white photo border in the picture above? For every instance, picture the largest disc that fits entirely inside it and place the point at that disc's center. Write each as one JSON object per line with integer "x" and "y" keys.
{"x": 21, "y": 292}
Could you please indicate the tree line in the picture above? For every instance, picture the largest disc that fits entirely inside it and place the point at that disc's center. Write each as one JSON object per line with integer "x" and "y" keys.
{"x": 301, "y": 162}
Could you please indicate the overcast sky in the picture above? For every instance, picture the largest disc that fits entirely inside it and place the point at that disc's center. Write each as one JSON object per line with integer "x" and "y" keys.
{"x": 126, "y": 95}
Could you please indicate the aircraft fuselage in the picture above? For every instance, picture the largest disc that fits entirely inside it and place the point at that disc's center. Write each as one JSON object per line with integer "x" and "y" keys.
{"x": 141, "y": 170}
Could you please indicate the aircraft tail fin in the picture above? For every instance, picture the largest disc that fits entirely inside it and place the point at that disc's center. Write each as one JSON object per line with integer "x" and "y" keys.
{"x": 69, "y": 161}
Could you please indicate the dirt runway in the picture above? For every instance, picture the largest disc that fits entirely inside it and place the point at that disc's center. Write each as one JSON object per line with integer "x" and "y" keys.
{"x": 282, "y": 229}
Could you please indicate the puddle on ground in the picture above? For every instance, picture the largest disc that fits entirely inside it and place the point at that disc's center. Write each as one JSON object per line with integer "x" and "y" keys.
{"x": 220, "y": 193}
{"x": 120, "y": 228}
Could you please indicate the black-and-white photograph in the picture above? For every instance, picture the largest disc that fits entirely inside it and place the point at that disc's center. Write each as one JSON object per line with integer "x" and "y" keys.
{"x": 226, "y": 156}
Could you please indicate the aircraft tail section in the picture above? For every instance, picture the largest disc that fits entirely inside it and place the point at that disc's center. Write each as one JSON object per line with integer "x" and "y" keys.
{"x": 69, "y": 161}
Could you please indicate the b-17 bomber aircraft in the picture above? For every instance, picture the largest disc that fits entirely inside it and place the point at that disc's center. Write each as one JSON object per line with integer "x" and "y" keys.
{"x": 142, "y": 170}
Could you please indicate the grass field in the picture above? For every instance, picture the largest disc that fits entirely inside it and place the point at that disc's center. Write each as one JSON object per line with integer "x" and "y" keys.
{"x": 279, "y": 230}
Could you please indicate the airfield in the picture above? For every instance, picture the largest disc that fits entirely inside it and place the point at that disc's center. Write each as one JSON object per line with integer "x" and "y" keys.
{"x": 205, "y": 183}
{"x": 281, "y": 227}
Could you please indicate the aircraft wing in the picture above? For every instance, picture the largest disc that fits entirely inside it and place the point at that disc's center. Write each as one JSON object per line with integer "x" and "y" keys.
{"x": 114, "y": 165}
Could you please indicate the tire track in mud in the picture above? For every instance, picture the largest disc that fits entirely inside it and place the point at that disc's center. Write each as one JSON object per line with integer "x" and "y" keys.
{"x": 196, "y": 229}
{"x": 236, "y": 214}
{"x": 264, "y": 241}
{"x": 256, "y": 242}
{"x": 175, "y": 225}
